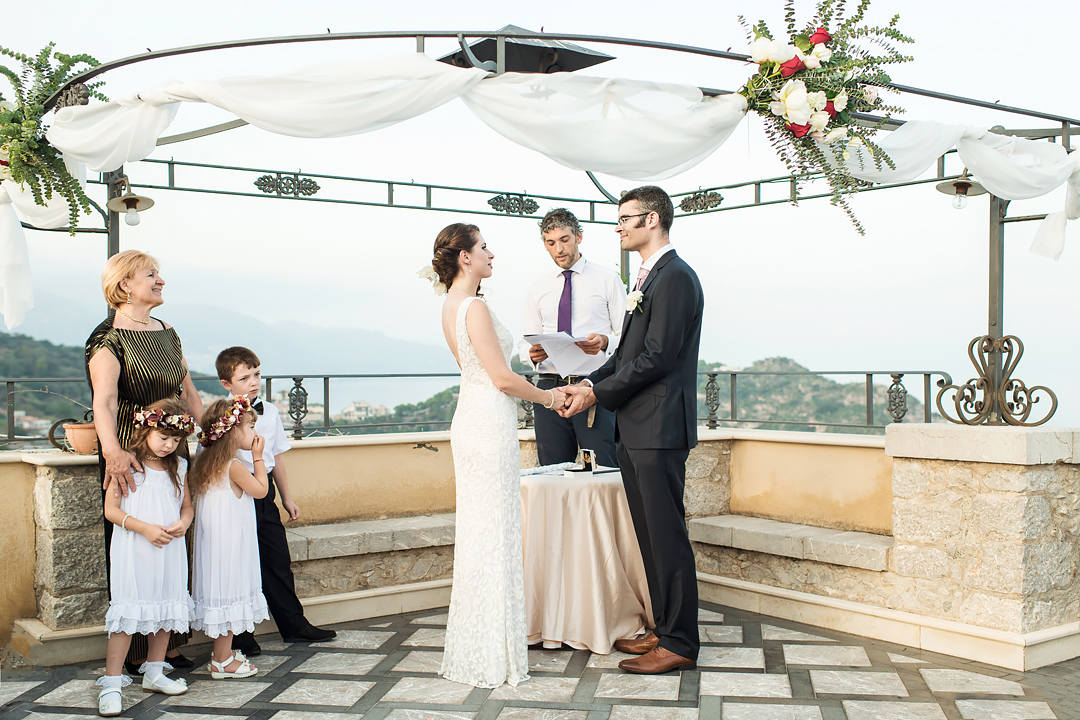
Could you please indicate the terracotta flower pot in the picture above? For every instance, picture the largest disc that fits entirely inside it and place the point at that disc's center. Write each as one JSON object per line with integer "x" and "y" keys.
{"x": 82, "y": 437}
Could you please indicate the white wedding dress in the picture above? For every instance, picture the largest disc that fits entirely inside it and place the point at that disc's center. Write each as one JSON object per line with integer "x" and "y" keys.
{"x": 485, "y": 630}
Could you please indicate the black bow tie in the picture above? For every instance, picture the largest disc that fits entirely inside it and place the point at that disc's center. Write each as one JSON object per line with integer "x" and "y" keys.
{"x": 258, "y": 406}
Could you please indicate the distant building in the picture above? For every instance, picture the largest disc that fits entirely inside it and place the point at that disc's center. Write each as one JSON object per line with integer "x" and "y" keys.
{"x": 359, "y": 411}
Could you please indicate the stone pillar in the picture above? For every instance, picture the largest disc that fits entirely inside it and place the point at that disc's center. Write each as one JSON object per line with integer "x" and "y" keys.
{"x": 986, "y": 523}
{"x": 69, "y": 578}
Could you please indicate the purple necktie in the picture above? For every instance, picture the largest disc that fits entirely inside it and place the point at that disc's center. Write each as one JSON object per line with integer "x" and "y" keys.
{"x": 564, "y": 304}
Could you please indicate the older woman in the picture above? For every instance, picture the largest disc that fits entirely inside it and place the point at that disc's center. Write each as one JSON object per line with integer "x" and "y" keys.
{"x": 142, "y": 362}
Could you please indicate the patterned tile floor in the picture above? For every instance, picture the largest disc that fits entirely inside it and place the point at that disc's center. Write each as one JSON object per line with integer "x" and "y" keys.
{"x": 751, "y": 668}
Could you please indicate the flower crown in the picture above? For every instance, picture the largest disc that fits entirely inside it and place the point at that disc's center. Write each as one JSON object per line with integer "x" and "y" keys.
{"x": 428, "y": 273}
{"x": 241, "y": 406}
{"x": 158, "y": 418}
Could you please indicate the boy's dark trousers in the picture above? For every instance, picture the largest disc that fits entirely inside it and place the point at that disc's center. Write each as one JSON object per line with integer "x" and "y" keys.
{"x": 274, "y": 562}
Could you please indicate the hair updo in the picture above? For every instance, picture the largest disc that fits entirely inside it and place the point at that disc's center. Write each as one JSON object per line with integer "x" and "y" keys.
{"x": 450, "y": 241}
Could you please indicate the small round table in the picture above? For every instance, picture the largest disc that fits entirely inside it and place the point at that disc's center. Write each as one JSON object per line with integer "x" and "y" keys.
{"x": 585, "y": 582}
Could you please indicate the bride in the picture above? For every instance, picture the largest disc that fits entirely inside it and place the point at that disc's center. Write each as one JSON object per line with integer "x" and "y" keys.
{"x": 485, "y": 630}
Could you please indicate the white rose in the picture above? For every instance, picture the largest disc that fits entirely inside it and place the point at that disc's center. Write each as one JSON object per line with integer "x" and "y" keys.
{"x": 765, "y": 50}
{"x": 817, "y": 135}
{"x": 633, "y": 299}
{"x": 811, "y": 62}
{"x": 785, "y": 53}
{"x": 817, "y": 100}
{"x": 840, "y": 102}
{"x": 793, "y": 98}
{"x": 822, "y": 53}
{"x": 836, "y": 135}
{"x": 870, "y": 93}
{"x": 818, "y": 121}
{"x": 762, "y": 49}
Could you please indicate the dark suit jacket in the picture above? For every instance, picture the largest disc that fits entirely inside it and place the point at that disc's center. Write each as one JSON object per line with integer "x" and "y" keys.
{"x": 651, "y": 380}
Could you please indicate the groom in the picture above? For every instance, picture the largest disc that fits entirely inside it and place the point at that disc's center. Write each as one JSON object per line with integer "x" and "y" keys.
{"x": 651, "y": 384}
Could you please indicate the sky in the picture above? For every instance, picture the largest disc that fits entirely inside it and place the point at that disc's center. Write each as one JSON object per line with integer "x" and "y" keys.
{"x": 779, "y": 281}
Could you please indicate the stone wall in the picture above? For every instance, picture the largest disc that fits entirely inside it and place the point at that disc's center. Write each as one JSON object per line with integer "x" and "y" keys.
{"x": 997, "y": 543}
{"x": 992, "y": 544}
{"x": 69, "y": 576}
{"x": 362, "y": 572}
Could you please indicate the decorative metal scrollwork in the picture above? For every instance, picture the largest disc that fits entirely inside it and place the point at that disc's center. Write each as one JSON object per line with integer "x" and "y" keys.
{"x": 73, "y": 95}
{"x": 897, "y": 397}
{"x": 701, "y": 201}
{"x": 712, "y": 399}
{"x": 527, "y": 419}
{"x": 282, "y": 185}
{"x": 978, "y": 402}
{"x": 298, "y": 410}
{"x": 514, "y": 204}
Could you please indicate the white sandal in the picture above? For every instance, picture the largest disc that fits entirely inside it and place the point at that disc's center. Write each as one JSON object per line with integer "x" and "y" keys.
{"x": 218, "y": 671}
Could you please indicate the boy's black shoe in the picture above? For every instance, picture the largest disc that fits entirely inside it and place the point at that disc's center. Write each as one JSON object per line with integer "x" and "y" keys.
{"x": 310, "y": 634}
{"x": 179, "y": 662}
{"x": 133, "y": 668}
{"x": 245, "y": 643}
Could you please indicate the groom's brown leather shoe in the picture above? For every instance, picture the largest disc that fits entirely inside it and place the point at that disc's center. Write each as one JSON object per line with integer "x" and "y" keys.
{"x": 657, "y": 662}
{"x": 637, "y": 645}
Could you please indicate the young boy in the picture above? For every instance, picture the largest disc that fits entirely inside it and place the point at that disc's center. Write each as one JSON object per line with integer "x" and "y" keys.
{"x": 240, "y": 374}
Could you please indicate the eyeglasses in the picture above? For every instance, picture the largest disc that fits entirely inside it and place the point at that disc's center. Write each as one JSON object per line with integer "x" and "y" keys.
{"x": 624, "y": 218}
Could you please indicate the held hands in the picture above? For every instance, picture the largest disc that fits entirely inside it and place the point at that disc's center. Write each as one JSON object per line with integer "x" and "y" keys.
{"x": 559, "y": 399}
{"x": 177, "y": 529}
{"x": 593, "y": 344}
{"x": 537, "y": 354}
{"x": 118, "y": 465}
{"x": 578, "y": 398}
{"x": 156, "y": 534}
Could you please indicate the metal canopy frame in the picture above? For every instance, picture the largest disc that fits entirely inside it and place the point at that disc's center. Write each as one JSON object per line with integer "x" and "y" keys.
{"x": 1005, "y": 400}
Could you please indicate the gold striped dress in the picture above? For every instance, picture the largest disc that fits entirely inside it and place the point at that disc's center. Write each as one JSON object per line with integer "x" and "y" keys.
{"x": 151, "y": 368}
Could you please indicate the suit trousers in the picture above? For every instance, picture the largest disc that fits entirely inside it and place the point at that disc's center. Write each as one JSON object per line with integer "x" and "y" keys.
{"x": 274, "y": 562}
{"x": 558, "y": 438}
{"x": 654, "y": 480}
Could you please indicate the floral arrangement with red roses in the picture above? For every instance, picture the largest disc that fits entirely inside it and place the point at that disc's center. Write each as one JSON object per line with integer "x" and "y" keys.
{"x": 815, "y": 92}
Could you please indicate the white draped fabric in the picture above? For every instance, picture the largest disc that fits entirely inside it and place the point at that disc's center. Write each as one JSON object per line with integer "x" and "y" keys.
{"x": 627, "y": 128}
{"x": 631, "y": 129}
{"x": 1009, "y": 167}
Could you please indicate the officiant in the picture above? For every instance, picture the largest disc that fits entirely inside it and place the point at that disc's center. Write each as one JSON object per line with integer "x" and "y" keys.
{"x": 586, "y": 300}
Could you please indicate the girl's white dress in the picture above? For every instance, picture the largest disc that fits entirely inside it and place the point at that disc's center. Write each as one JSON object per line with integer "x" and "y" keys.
{"x": 149, "y": 584}
{"x": 226, "y": 582}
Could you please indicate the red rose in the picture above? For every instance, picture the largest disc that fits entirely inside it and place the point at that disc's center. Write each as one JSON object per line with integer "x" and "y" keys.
{"x": 829, "y": 108}
{"x": 797, "y": 130}
{"x": 791, "y": 67}
{"x": 820, "y": 36}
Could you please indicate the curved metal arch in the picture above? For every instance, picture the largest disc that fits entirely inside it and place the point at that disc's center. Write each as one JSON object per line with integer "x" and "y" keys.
{"x": 387, "y": 35}
{"x": 421, "y": 35}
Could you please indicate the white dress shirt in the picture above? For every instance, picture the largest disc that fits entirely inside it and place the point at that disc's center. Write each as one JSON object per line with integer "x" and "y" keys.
{"x": 268, "y": 425}
{"x": 598, "y": 302}
{"x": 651, "y": 262}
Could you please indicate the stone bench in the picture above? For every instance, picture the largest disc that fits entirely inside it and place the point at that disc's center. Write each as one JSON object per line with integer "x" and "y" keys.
{"x": 803, "y": 542}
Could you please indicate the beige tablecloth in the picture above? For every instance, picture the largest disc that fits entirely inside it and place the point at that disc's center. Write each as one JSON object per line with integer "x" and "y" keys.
{"x": 584, "y": 580}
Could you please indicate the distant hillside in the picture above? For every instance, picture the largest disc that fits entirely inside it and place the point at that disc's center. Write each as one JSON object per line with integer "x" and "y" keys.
{"x": 24, "y": 357}
{"x": 761, "y": 398}
{"x": 803, "y": 398}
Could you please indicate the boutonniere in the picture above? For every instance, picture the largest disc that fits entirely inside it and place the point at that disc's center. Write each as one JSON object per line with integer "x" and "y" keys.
{"x": 633, "y": 301}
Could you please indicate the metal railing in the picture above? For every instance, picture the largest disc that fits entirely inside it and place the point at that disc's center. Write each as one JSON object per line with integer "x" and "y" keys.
{"x": 302, "y": 422}
{"x": 896, "y": 394}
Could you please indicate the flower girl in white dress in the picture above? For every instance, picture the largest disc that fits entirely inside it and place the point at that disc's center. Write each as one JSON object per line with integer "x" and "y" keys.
{"x": 226, "y": 581}
{"x": 148, "y": 559}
